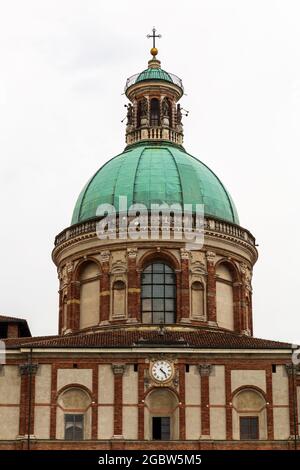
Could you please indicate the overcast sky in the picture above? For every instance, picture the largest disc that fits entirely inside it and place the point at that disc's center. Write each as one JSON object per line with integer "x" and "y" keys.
{"x": 63, "y": 66}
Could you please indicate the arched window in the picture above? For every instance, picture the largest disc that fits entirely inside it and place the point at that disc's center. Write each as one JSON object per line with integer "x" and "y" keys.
{"x": 161, "y": 415}
{"x": 249, "y": 415}
{"x": 74, "y": 415}
{"x": 89, "y": 295}
{"x": 154, "y": 113}
{"x": 158, "y": 294}
{"x": 224, "y": 291}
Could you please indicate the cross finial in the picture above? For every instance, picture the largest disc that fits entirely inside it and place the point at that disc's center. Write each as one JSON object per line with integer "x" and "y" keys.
{"x": 153, "y": 36}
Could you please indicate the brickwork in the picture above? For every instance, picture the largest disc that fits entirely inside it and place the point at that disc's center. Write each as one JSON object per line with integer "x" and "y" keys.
{"x": 134, "y": 292}
{"x": 205, "y": 418}
{"x": 269, "y": 399}
{"x": 182, "y": 423}
{"x": 141, "y": 393}
{"x": 104, "y": 292}
{"x": 211, "y": 292}
{"x": 228, "y": 403}
{"x": 185, "y": 289}
{"x": 118, "y": 370}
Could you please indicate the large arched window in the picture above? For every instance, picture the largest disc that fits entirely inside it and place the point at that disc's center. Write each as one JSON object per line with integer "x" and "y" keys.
{"x": 161, "y": 415}
{"x": 158, "y": 294}
{"x": 249, "y": 419}
{"x": 74, "y": 414}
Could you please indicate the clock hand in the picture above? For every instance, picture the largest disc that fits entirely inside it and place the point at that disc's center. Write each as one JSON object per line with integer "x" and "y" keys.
{"x": 163, "y": 371}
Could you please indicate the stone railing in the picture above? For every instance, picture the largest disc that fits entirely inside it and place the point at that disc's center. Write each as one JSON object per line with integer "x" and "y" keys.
{"x": 210, "y": 225}
{"x": 154, "y": 133}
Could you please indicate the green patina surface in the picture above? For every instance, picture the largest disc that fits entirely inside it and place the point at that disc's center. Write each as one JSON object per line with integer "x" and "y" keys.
{"x": 154, "y": 74}
{"x": 147, "y": 173}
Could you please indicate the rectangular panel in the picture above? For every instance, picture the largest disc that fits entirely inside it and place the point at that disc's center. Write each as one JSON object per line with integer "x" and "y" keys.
{"x": 42, "y": 422}
{"x": 130, "y": 386}
{"x": 10, "y": 382}
{"x": 105, "y": 422}
{"x": 281, "y": 423}
{"x": 248, "y": 377}
{"x": 130, "y": 422}
{"x": 106, "y": 384}
{"x": 193, "y": 423}
{"x": 217, "y": 423}
{"x": 217, "y": 386}
{"x": 43, "y": 384}
{"x": 69, "y": 376}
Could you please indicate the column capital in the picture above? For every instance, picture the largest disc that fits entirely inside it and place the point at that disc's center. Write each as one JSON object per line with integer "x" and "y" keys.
{"x": 184, "y": 253}
{"x": 118, "y": 369}
{"x": 104, "y": 256}
{"x": 132, "y": 253}
{"x": 28, "y": 369}
{"x": 205, "y": 369}
{"x": 210, "y": 256}
{"x": 292, "y": 368}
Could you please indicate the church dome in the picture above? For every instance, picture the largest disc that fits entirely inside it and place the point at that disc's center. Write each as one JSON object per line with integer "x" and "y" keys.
{"x": 155, "y": 173}
{"x": 154, "y": 74}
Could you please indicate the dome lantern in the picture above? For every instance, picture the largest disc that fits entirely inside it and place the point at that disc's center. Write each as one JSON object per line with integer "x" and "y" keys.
{"x": 153, "y": 112}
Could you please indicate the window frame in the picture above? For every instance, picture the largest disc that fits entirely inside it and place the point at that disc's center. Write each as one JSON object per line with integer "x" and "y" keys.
{"x": 151, "y": 297}
{"x": 251, "y": 430}
{"x": 74, "y": 416}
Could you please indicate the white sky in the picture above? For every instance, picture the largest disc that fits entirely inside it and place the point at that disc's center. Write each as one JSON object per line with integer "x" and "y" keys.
{"x": 63, "y": 66}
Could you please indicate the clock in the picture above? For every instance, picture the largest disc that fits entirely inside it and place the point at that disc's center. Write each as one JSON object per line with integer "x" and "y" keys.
{"x": 162, "y": 371}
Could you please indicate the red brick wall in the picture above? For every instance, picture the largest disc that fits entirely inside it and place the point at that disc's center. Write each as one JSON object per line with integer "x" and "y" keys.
{"x": 211, "y": 292}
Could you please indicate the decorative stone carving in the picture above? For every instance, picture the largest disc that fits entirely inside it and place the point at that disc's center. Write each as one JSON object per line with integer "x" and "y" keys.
{"x": 65, "y": 274}
{"x": 118, "y": 369}
{"x": 292, "y": 368}
{"x": 184, "y": 253}
{"x": 198, "y": 267}
{"x": 211, "y": 256}
{"x": 132, "y": 252}
{"x": 179, "y": 115}
{"x": 119, "y": 267}
{"x": 205, "y": 369}
{"x": 247, "y": 274}
{"x": 165, "y": 107}
{"x": 28, "y": 369}
{"x": 243, "y": 268}
{"x": 104, "y": 256}
{"x": 144, "y": 107}
{"x": 129, "y": 114}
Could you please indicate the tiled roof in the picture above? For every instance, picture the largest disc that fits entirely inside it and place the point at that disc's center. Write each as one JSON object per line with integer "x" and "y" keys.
{"x": 24, "y": 329}
{"x": 138, "y": 338}
{"x": 4, "y": 318}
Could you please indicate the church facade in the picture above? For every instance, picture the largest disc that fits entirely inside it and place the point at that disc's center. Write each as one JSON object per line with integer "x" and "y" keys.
{"x": 155, "y": 348}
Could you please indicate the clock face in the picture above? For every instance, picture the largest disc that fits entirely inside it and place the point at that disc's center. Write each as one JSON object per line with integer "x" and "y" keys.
{"x": 162, "y": 371}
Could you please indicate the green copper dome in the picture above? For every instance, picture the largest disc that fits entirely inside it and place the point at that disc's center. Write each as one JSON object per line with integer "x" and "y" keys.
{"x": 148, "y": 173}
{"x": 154, "y": 74}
